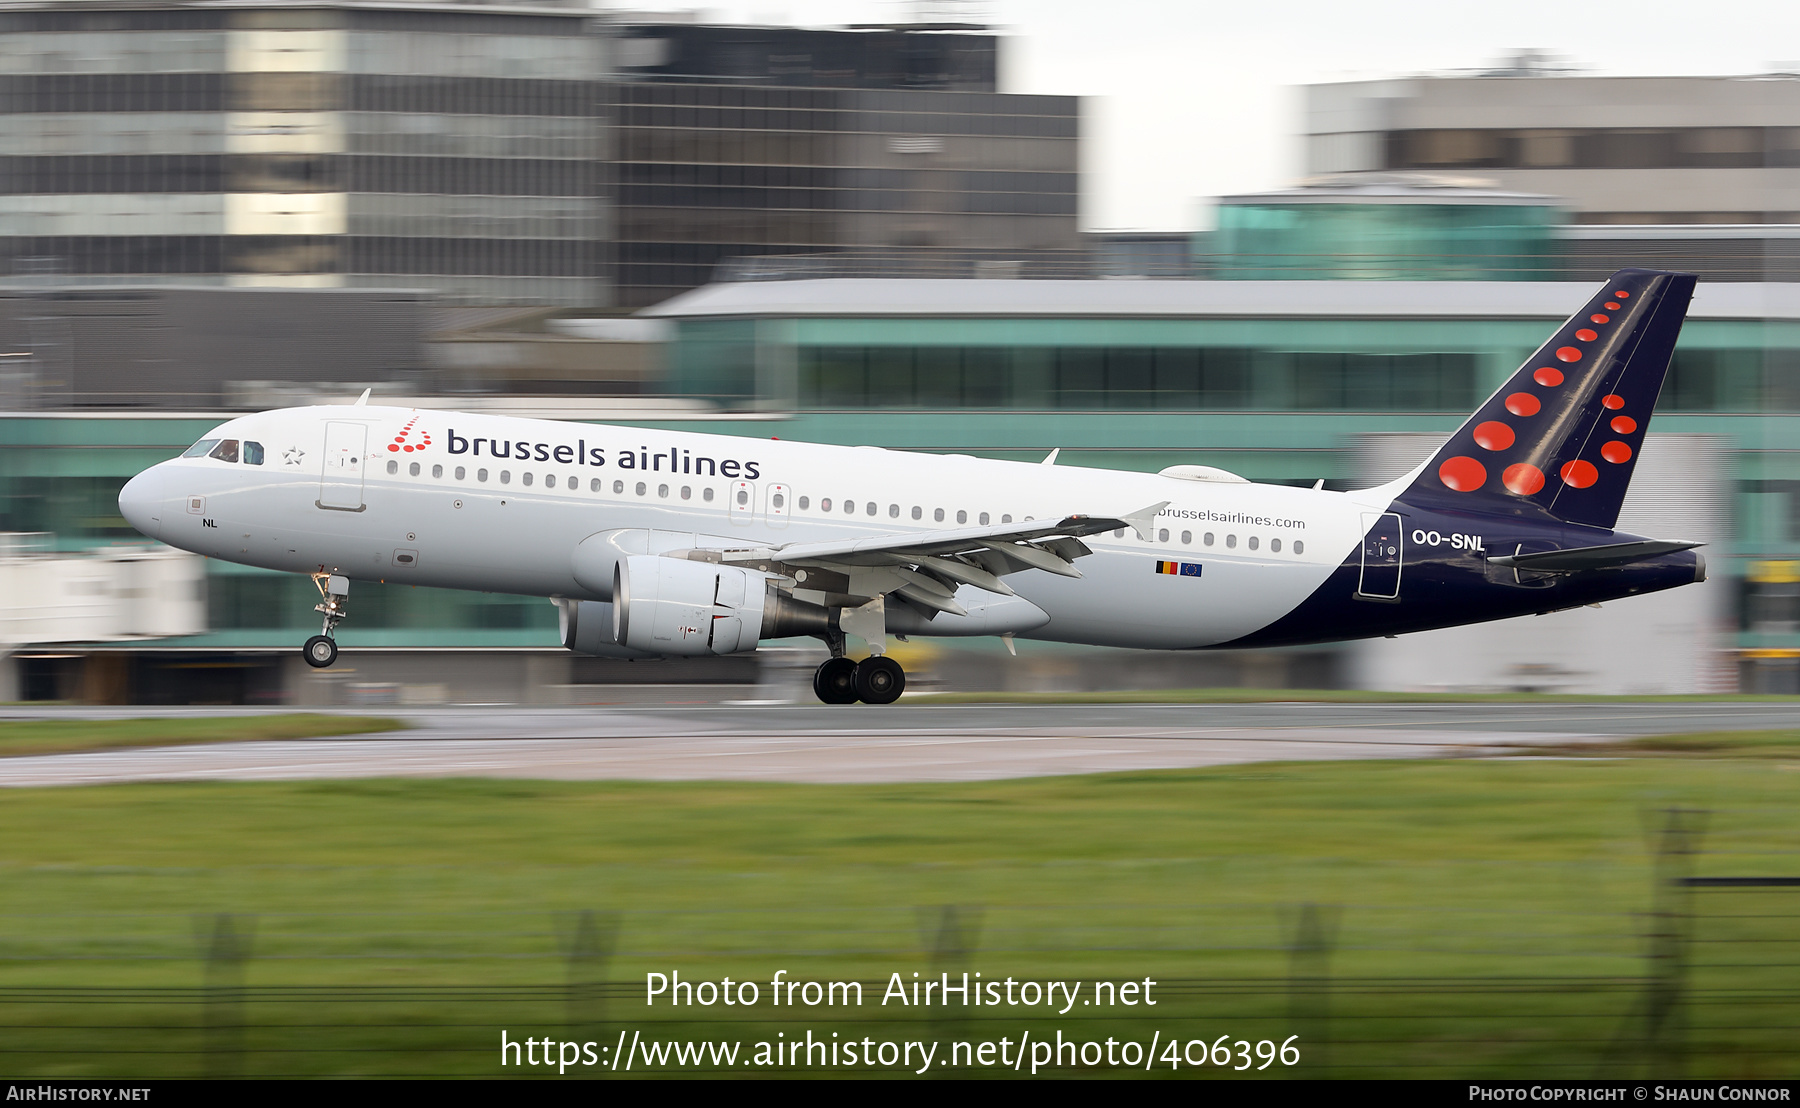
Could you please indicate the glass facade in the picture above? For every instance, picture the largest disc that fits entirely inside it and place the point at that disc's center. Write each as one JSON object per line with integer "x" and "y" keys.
{"x": 1273, "y": 240}
{"x": 708, "y": 172}
{"x": 308, "y": 146}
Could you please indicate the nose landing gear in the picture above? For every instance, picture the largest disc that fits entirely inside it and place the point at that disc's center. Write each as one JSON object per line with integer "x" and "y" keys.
{"x": 321, "y": 650}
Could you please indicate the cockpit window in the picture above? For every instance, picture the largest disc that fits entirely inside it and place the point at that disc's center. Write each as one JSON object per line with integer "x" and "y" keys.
{"x": 200, "y": 449}
{"x": 253, "y": 453}
{"x": 226, "y": 451}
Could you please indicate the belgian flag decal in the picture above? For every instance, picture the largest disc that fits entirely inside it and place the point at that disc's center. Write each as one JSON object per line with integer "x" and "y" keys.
{"x": 1179, "y": 569}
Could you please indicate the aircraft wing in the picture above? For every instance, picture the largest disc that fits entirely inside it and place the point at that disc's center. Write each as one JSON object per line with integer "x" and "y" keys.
{"x": 927, "y": 566}
{"x": 1592, "y": 557}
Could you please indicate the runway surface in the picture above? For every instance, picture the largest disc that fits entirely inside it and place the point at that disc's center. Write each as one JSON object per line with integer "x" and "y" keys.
{"x": 814, "y": 743}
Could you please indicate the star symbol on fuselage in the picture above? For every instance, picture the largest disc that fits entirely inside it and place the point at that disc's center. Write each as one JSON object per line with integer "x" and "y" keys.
{"x": 293, "y": 456}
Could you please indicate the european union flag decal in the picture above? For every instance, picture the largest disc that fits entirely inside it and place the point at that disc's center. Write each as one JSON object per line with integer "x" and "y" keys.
{"x": 1179, "y": 569}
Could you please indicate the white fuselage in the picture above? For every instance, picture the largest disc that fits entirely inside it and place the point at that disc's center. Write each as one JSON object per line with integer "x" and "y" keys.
{"x": 330, "y": 495}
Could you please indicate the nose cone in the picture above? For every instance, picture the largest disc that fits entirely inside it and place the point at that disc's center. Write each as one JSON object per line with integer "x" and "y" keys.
{"x": 142, "y": 503}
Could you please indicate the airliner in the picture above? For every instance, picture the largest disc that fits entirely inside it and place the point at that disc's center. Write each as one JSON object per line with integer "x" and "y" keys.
{"x": 667, "y": 543}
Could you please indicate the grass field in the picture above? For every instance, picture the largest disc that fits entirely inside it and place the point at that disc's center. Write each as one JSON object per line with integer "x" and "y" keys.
{"x": 1478, "y": 917}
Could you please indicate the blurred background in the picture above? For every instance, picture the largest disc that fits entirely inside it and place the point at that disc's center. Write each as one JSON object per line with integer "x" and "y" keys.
{"x": 883, "y": 234}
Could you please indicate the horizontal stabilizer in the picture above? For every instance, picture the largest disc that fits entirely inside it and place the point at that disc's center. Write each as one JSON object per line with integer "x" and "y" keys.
{"x": 1592, "y": 557}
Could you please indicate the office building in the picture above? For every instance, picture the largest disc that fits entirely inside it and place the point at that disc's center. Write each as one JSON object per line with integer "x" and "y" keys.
{"x": 421, "y": 146}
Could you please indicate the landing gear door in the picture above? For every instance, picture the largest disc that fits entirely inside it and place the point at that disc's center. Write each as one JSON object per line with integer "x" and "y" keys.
{"x": 1382, "y": 551}
{"x": 341, "y": 484}
{"x": 780, "y": 497}
{"x": 742, "y": 499}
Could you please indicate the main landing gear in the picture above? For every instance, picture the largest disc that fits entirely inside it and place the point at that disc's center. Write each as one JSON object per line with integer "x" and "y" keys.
{"x": 877, "y": 680}
{"x": 874, "y": 680}
{"x": 321, "y": 650}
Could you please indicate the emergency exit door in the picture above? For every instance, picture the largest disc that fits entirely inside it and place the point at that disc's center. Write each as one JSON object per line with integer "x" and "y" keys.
{"x": 1382, "y": 551}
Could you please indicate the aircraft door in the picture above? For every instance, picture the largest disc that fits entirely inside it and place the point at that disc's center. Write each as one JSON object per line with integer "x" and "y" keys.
{"x": 779, "y": 506}
{"x": 341, "y": 484}
{"x": 1382, "y": 551}
{"x": 742, "y": 500}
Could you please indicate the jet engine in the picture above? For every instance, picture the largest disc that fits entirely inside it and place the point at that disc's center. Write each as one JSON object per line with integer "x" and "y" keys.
{"x": 675, "y": 606}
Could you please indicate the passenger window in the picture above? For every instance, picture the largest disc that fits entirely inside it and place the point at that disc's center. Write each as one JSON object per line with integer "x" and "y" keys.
{"x": 984, "y": 519}
{"x": 825, "y": 504}
{"x": 778, "y": 500}
{"x": 662, "y": 491}
{"x": 549, "y": 480}
{"x": 849, "y": 507}
{"x": 937, "y": 515}
{"x": 1299, "y": 547}
{"x": 641, "y": 488}
{"x": 506, "y": 477}
{"x": 1253, "y": 542}
{"x": 226, "y": 451}
{"x": 524, "y": 478}
{"x": 918, "y": 512}
{"x": 618, "y": 488}
{"x": 706, "y": 494}
{"x": 962, "y": 516}
{"x": 1162, "y": 535}
{"x": 412, "y": 470}
{"x": 1119, "y": 534}
{"x": 1230, "y": 542}
{"x": 460, "y": 471}
{"x": 393, "y": 466}
{"x": 1006, "y": 518}
{"x": 743, "y": 497}
{"x": 253, "y": 453}
{"x": 872, "y": 507}
{"x": 893, "y": 511}
{"x": 481, "y": 475}
{"x": 1207, "y": 538}
{"x": 804, "y": 501}
{"x": 1187, "y": 538}
{"x": 687, "y": 493}
{"x": 437, "y": 471}
{"x": 200, "y": 449}
{"x": 1275, "y": 546}
{"x": 594, "y": 485}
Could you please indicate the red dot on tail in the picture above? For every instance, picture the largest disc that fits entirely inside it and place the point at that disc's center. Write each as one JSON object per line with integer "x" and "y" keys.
{"x": 1493, "y": 435}
{"x": 408, "y": 449}
{"x": 1586, "y": 335}
{"x": 1523, "y": 479}
{"x": 1579, "y": 474}
{"x": 1568, "y": 354}
{"x": 1549, "y": 376}
{"x": 1613, "y": 400}
{"x": 1624, "y": 424}
{"x": 1616, "y": 452}
{"x": 1611, "y": 307}
{"x": 1463, "y": 473}
{"x": 1523, "y": 404}
{"x": 1600, "y": 317}
{"x": 395, "y": 447}
{"x": 1621, "y": 294}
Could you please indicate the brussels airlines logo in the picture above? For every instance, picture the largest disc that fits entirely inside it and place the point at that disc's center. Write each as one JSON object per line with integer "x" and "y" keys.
{"x": 674, "y": 460}
{"x": 400, "y": 441}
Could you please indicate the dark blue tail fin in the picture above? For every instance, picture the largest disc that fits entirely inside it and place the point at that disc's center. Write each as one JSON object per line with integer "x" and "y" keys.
{"x": 1562, "y": 437}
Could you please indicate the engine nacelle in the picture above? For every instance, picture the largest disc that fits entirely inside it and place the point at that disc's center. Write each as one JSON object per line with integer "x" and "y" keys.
{"x": 675, "y": 606}
{"x": 587, "y": 628}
